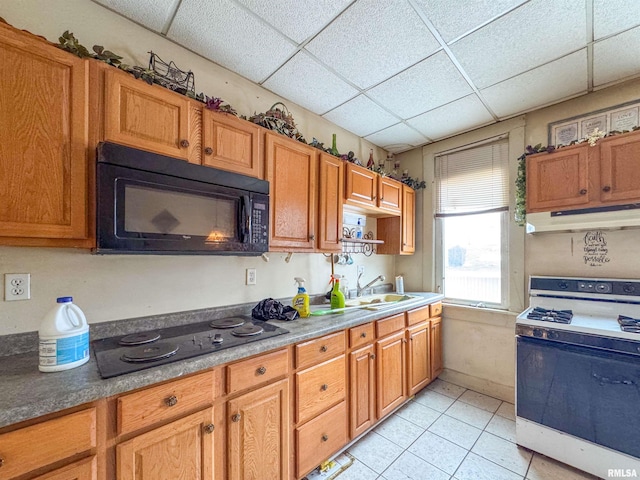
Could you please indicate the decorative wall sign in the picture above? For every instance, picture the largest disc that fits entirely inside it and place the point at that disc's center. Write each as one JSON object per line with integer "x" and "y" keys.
{"x": 619, "y": 118}
{"x": 595, "y": 248}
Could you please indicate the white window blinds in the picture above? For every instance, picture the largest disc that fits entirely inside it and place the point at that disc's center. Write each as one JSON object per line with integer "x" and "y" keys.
{"x": 473, "y": 180}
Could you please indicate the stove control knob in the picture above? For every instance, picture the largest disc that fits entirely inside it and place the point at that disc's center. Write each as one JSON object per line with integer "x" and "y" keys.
{"x": 628, "y": 288}
{"x": 217, "y": 338}
{"x": 552, "y": 335}
{"x": 603, "y": 287}
{"x": 538, "y": 333}
{"x": 563, "y": 285}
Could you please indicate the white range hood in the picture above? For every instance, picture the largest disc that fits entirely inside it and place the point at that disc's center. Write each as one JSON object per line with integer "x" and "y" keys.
{"x": 620, "y": 216}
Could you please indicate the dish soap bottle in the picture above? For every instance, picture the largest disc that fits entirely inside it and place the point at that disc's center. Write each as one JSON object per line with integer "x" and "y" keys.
{"x": 359, "y": 228}
{"x": 301, "y": 300}
{"x": 337, "y": 297}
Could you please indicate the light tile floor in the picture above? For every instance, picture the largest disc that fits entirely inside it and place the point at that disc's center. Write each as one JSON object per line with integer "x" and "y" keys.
{"x": 447, "y": 432}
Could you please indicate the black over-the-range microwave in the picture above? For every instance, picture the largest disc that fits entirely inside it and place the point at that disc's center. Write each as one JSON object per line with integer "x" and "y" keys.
{"x": 153, "y": 204}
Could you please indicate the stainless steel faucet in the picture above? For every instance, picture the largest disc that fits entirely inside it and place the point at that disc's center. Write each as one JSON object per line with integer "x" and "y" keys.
{"x": 360, "y": 289}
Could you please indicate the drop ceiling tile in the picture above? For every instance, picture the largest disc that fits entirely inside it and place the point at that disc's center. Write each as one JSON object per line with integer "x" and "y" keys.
{"x": 614, "y": 16}
{"x": 397, "y": 136}
{"x": 153, "y": 14}
{"x": 361, "y": 116}
{"x": 543, "y": 85}
{"x": 307, "y": 83}
{"x": 429, "y": 84}
{"x": 455, "y": 117}
{"x": 227, "y": 34}
{"x": 534, "y": 34}
{"x": 298, "y": 19}
{"x": 373, "y": 40}
{"x": 616, "y": 57}
{"x": 453, "y": 19}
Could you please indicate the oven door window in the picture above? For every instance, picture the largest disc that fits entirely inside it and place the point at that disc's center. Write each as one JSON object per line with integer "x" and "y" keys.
{"x": 589, "y": 393}
{"x": 153, "y": 211}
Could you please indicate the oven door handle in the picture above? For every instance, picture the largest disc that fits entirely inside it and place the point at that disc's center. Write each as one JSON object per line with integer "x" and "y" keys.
{"x": 245, "y": 219}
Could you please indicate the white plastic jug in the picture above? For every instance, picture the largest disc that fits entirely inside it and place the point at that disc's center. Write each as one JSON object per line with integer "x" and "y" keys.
{"x": 64, "y": 337}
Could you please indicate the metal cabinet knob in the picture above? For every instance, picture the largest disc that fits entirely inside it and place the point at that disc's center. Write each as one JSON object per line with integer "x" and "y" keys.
{"x": 606, "y": 188}
{"x": 323, "y": 348}
{"x": 261, "y": 370}
{"x": 363, "y": 335}
{"x": 171, "y": 401}
{"x": 1, "y": 461}
{"x": 583, "y": 191}
{"x": 312, "y": 237}
{"x": 184, "y": 143}
{"x": 324, "y": 387}
{"x": 236, "y": 417}
{"x": 208, "y": 151}
{"x": 373, "y": 356}
{"x": 209, "y": 428}
{"x": 325, "y": 437}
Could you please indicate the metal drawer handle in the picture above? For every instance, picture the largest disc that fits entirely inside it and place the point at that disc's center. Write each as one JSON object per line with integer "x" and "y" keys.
{"x": 363, "y": 335}
{"x": 323, "y": 348}
{"x": 324, "y": 387}
{"x": 325, "y": 437}
{"x": 184, "y": 143}
{"x": 171, "y": 401}
{"x": 208, "y": 151}
{"x": 261, "y": 370}
{"x": 209, "y": 428}
{"x": 236, "y": 417}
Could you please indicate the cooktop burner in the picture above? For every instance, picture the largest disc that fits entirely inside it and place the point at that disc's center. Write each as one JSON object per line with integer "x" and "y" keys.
{"x": 120, "y": 355}
{"x": 230, "y": 322}
{"x": 139, "y": 338}
{"x": 247, "y": 330}
{"x": 546, "y": 315}
{"x": 149, "y": 353}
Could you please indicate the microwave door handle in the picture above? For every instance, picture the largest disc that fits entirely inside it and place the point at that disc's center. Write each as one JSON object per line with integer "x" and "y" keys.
{"x": 245, "y": 220}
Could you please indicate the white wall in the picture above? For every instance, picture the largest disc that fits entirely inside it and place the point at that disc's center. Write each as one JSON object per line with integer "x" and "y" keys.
{"x": 117, "y": 287}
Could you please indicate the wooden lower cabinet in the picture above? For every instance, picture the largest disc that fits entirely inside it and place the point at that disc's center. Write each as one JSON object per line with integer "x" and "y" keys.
{"x": 362, "y": 390}
{"x": 436, "y": 347}
{"x": 418, "y": 357}
{"x": 258, "y": 434}
{"x": 180, "y": 449}
{"x": 391, "y": 371}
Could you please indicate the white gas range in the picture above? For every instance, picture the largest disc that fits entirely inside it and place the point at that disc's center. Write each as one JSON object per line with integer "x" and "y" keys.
{"x": 578, "y": 373}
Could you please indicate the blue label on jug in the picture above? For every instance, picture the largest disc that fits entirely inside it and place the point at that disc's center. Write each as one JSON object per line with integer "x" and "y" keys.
{"x": 64, "y": 350}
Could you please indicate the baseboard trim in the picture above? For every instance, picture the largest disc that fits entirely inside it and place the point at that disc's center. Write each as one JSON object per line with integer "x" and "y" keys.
{"x": 481, "y": 385}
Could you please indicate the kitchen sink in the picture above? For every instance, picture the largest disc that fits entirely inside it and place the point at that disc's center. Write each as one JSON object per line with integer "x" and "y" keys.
{"x": 384, "y": 299}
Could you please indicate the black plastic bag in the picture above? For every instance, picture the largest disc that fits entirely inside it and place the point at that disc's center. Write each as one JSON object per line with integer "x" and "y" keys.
{"x": 270, "y": 309}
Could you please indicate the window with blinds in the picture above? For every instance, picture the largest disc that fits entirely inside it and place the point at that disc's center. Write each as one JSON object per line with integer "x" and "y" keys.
{"x": 472, "y": 202}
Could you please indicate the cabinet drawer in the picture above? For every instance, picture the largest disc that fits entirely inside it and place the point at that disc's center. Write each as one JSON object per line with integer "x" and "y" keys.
{"x": 257, "y": 370}
{"x": 390, "y": 325}
{"x": 155, "y": 404}
{"x": 86, "y": 469}
{"x": 44, "y": 443}
{"x": 320, "y": 438}
{"x": 361, "y": 335}
{"x": 319, "y": 387}
{"x": 418, "y": 315}
{"x": 435, "y": 309}
{"x": 320, "y": 349}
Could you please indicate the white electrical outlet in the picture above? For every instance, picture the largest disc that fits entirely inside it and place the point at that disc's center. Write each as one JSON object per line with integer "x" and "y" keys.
{"x": 251, "y": 276}
{"x": 17, "y": 286}
{"x": 360, "y": 270}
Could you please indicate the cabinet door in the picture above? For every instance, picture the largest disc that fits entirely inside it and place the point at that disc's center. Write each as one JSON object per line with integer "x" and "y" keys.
{"x": 391, "y": 371}
{"x": 258, "y": 432}
{"x": 361, "y": 186}
{"x": 389, "y": 195}
{"x": 230, "y": 143}
{"x": 43, "y": 141}
{"x": 331, "y": 181}
{"x": 418, "y": 357}
{"x": 291, "y": 172}
{"x": 145, "y": 116}
{"x": 620, "y": 168}
{"x": 83, "y": 470}
{"x": 408, "y": 220}
{"x": 181, "y": 449}
{"x": 362, "y": 382}
{"x": 559, "y": 180}
{"x": 436, "y": 347}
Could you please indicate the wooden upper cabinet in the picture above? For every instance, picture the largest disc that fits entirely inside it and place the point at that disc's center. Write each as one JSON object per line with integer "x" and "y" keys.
{"x": 389, "y": 195}
{"x": 331, "y": 181}
{"x": 230, "y": 143}
{"x": 361, "y": 186}
{"x": 43, "y": 143}
{"x": 399, "y": 233}
{"x": 620, "y": 168}
{"x": 146, "y": 116}
{"x": 291, "y": 172}
{"x": 559, "y": 180}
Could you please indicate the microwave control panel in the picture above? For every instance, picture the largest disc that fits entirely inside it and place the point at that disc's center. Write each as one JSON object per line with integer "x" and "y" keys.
{"x": 260, "y": 224}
